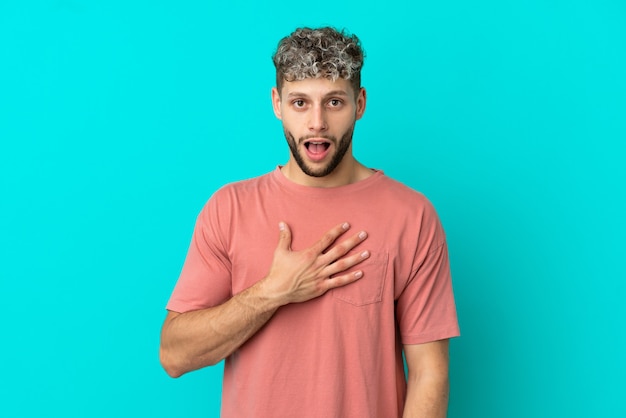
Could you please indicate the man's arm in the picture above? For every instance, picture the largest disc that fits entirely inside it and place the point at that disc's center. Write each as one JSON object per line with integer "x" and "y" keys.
{"x": 197, "y": 339}
{"x": 428, "y": 385}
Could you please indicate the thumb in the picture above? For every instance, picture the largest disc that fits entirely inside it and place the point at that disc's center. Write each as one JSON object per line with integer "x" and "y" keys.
{"x": 284, "y": 239}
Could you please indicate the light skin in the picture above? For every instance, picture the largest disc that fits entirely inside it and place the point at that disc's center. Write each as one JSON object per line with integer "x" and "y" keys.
{"x": 428, "y": 387}
{"x": 323, "y": 111}
{"x": 318, "y": 117}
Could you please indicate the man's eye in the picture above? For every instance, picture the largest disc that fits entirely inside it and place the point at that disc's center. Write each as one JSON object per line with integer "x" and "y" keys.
{"x": 298, "y": 103}
{"x": 335, "y": 102}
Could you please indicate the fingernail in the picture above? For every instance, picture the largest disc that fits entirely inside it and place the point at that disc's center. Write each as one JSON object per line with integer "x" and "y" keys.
{"x": 281, "y": 226}
{"x": 358, "y": 274}
{"x": 346, "y": 225}
{"x": 365, "y": 254}
{"x": 363, "y": 235}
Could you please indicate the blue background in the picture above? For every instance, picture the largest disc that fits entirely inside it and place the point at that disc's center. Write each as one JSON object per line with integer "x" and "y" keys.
{"x": 119, "y": 119}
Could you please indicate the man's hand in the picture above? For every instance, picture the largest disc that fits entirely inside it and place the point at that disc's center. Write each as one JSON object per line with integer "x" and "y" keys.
{"x": 196, "y": 339}
{"x": 298, "y": 276}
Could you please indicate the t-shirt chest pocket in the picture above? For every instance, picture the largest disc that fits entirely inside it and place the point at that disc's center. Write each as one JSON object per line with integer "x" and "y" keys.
{"x": 369, "y": 288}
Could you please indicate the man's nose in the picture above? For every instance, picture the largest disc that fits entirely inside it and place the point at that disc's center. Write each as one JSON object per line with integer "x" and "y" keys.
{"x": 317, "y": 119}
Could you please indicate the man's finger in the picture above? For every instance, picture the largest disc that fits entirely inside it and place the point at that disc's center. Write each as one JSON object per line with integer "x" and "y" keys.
{"x": 284, "y": 238}
{"x": 346, "y": 263}
{"x": 344, "y": 247}
{"x": 330, "y": 237}
{"x": 342, "y": 280}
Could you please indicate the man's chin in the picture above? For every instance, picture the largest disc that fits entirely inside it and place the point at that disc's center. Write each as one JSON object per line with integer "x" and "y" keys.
{"x": 317, "y": 171}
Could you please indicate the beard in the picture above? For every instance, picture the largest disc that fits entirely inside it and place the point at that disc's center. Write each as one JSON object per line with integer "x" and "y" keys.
{"x": 341, "y": 147}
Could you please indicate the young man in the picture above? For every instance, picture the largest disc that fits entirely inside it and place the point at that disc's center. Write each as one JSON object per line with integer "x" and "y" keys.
{"x": 316, "y": 325}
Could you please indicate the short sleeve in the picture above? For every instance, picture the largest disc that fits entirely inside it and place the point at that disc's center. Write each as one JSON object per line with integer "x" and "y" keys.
{"x": 426, "y": 309}
{"x": 205, "y": 279}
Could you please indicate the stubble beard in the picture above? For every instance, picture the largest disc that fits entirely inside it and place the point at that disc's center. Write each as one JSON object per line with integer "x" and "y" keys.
{"x": 341, "y": 147}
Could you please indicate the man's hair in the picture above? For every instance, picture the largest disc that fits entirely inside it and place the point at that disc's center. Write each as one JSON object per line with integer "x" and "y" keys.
{"x": 316, "y": 53}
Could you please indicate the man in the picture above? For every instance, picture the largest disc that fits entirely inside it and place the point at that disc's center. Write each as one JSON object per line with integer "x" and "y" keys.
{"x": 315, "y": 326}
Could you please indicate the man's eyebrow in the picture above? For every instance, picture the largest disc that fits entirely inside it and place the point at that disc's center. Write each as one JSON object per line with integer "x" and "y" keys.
{"x": 330, "y": 93}
{"x": 337, "y": 93}
{"x": 296, "y": 94}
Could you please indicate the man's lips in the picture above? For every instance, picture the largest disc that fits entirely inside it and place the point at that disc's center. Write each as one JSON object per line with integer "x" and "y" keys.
{"x": 317, "y": 148}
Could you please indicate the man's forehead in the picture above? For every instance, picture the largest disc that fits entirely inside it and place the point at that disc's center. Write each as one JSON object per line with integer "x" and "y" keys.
{"x": 317, "y": 87}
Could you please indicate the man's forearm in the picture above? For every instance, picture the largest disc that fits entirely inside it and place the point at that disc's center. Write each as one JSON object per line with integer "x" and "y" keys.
{"x": 427, "y": 397}
{"x": 196, "y": 339}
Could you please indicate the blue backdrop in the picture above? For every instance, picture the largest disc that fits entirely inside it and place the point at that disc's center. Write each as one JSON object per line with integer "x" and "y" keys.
{"x": 119, "y": 119}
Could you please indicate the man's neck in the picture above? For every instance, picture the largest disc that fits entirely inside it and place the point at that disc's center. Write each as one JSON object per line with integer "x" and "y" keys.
{"x": 344, "y": 174}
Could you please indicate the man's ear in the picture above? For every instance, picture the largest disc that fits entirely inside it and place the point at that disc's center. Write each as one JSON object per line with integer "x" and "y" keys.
{"x": 276, "y": 102}
{"x": 361, "y": 100}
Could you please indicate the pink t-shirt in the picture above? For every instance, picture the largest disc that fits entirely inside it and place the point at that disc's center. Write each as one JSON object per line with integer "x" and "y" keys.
{"x": 338, "y": 355}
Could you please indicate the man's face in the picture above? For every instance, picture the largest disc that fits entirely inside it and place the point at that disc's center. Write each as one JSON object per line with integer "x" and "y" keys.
{"x": 318, "y": 117}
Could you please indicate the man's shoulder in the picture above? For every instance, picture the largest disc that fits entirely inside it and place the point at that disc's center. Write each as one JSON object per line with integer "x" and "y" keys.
{"x": 397, "y": 190}
{"x": 244, "y": 185}
{"x": 234, "y": 194}
{"x": 405, "y": 202}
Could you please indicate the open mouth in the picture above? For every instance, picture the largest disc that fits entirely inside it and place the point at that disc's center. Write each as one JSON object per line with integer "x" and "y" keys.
{"x": 317, "y": 147}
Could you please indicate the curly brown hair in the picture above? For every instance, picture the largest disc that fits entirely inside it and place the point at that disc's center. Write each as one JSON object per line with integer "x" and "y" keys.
{"x": 316, "y": 53}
